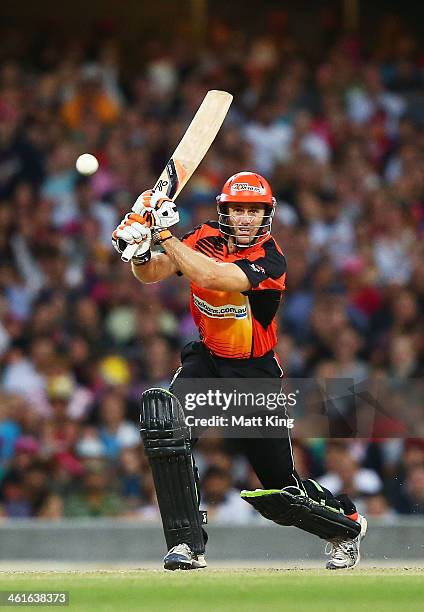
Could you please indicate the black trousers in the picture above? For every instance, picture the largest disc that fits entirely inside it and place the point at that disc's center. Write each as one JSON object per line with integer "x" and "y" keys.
{"x": 271, "y": 458}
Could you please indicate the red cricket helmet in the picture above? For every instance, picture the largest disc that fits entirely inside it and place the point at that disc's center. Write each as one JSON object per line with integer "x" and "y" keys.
{"x": 246, "y": 188}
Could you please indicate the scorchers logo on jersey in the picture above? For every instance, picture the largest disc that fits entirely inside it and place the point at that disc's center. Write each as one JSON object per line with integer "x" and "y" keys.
{"x": 226, "y": 311}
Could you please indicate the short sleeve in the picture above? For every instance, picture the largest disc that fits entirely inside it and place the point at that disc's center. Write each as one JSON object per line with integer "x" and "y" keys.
{"x": 268, "y": 264}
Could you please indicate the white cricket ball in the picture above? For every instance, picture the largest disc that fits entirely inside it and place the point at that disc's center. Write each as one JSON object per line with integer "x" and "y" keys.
{"x": 87, "y": 164}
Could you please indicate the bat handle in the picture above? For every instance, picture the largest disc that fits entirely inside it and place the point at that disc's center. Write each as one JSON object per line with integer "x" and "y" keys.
{"x": 129, "y": 251}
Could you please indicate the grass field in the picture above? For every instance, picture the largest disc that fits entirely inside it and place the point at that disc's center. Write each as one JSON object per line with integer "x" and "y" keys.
{"x": 224, "y": 590}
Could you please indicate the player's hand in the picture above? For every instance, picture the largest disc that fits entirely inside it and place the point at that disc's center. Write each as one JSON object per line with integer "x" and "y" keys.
{"x": 158, "y": 211}
{"x": 133, "y": 229}
{"x": 143, "y": 207}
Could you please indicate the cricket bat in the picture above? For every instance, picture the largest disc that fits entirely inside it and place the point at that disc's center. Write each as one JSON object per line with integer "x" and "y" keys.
{"x": 191, "y": 150}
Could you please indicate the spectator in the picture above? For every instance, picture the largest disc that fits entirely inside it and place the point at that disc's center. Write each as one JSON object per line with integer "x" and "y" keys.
{"x": 223, "y": 503}
{"x": 94, "y": 499}
{"x": 378, "y": 507}
{"x": 115, "y": 432}
{"x": 344, "y": 474}
{"x": 411, "y": 500}
{"x": 90, "y": 100}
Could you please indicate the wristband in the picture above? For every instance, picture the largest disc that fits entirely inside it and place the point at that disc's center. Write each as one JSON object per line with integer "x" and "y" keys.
{"x": 160, "y": 235}
{"x": 142, "y": 259}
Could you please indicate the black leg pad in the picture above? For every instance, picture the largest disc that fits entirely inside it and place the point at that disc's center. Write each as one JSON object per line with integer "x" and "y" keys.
{"x": 168, "y": 448}
{"x": 296, "y": 508}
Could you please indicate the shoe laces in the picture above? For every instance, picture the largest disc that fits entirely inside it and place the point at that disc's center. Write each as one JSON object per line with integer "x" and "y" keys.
{"x": 338, "y": 549}
{"x": 183, "y": 549}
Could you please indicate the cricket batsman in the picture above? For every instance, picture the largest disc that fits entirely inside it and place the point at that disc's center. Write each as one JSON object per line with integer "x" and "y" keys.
{"x": 232, "y": 261}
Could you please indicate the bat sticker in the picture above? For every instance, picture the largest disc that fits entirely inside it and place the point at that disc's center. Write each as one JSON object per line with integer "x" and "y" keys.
{"x": 169, "y": 187}
{"x": 173, "y": 178}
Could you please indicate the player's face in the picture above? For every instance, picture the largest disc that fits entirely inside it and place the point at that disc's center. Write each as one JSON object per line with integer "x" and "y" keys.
{"x": 246, "y": 220}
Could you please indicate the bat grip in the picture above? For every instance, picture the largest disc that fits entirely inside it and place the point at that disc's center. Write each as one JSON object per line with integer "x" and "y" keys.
{"x": 129, "y": 251}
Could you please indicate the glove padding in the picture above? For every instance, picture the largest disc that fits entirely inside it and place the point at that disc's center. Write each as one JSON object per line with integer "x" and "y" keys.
{"x": 133, "y": 229}
{"x": 159, "y": 211}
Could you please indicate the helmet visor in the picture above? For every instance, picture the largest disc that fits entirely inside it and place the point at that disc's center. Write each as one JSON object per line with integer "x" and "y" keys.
{"x": 245, "y": 225}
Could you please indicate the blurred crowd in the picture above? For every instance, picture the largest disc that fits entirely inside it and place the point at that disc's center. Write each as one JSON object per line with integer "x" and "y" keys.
{"x": 340, "y": 138}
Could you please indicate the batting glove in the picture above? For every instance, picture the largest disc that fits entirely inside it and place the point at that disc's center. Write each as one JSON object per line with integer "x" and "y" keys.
{"x": 133, "y": 229}
{"x": 158, "y": 210}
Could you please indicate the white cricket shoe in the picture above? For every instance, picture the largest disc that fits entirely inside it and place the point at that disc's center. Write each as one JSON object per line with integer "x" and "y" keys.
{"x": 182, "y": 557}
{"x": 345, "y": 554}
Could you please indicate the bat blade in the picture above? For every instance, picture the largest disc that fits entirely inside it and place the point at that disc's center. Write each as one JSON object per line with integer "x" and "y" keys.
{"x": 192, "y": 148}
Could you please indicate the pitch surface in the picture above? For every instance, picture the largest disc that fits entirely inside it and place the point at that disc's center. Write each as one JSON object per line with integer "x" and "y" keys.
{"x": 244, "y": 590}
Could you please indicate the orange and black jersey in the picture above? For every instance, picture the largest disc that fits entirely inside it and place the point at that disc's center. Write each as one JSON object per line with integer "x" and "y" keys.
{"x": 233, "y": 324}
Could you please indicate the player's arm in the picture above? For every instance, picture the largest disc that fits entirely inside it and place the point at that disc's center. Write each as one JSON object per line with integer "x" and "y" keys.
{"x": 158, "y": 268}
{"x": 149, "y": 268}
{"x": 203, "y": 270}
